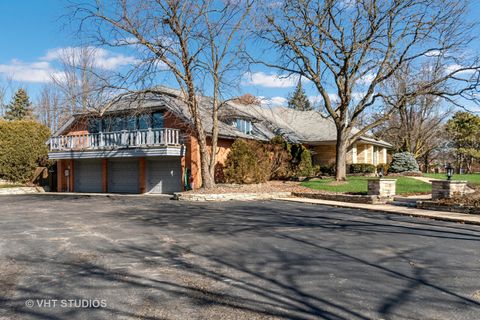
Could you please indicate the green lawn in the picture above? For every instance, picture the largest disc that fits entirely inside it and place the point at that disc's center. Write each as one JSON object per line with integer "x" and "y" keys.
{"x": 359, "y": 185}
{"x": 473, "y": 178}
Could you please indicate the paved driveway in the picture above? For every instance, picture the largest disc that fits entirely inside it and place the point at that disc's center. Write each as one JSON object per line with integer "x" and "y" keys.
{"x": 152, "y": 258}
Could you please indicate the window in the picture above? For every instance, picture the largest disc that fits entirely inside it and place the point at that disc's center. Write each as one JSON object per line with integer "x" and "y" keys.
{"x": 243, "y": 125}
{"x": 143, "y": 122}
{"x": 132, "y": 123}
{"x": 94, "y": 125}
{"x": 157, "y": 120}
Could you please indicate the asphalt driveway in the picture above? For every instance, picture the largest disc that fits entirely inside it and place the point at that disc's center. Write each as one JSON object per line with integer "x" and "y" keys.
{"x": 80, "y": 257}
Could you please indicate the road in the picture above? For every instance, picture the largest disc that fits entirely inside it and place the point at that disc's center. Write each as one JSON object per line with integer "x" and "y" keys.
{"x": 146, "y": 257}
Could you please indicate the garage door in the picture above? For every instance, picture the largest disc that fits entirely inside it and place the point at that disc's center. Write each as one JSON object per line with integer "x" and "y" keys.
{"x": 123, "y": 176}
{"x": 164, "y": 175}
{"x": 88, "y": 175}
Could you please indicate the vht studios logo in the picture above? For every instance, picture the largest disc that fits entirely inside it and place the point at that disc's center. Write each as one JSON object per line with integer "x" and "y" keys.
{"x": 66, "y": 303}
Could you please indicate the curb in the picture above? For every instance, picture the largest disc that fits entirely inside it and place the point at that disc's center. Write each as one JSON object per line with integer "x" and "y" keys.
{"x": 21, "y": 190}
{"x": 427, "y": 214}
{"x": 219, "y": 197}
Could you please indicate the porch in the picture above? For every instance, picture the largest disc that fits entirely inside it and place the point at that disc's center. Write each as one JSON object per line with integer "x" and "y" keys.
{"x": 126, "y": 143}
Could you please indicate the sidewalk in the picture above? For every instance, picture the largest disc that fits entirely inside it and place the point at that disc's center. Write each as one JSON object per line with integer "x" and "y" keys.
{"x": 387, "y": 208}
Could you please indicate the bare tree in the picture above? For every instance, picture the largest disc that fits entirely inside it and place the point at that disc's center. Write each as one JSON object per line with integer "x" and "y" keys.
{"x": 49, "y": 109}
{"x": 417, "y": 124}
{"x": 83, "y": 85}
{"x": 194, "y": 42}
{"x": 2, "y": 100}
{"x": 355, "y": 47}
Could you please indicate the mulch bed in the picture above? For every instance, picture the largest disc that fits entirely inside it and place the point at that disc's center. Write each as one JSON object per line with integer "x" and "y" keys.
{"x": 270, "y": 186}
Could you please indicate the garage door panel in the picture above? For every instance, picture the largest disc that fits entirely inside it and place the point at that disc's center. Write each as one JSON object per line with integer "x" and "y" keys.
{"x": 88, "y": 176}
{"x": 164, "y": 176}
{"x": 123, "y": 176}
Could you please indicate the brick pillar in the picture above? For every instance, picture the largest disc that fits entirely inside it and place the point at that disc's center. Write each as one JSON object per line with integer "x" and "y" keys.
{"x": 104, "y": 175}
{"x": 141, "y": 167}
{"x": 60, "y": 169}
{"x": 382, "y": 187}
{"x": 443, "y": 189}
{"x": 71, "y": 177}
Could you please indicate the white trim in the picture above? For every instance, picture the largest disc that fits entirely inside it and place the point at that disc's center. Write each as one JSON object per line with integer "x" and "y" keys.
{"x": 118, "y": 153}
{"x": 354, "y": 154}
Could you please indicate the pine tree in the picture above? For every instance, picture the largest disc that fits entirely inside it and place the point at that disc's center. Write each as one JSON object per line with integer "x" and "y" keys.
{"x": 20, "y": 107}
{"x": 298, "y": 99}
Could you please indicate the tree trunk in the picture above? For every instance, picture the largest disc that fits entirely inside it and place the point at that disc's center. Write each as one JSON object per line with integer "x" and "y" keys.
{"x": 207, "y": 179}
{"x": 341, "y": 155}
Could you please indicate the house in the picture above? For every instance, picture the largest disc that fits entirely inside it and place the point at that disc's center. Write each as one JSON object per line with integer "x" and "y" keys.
{"x": 145, "y": 144}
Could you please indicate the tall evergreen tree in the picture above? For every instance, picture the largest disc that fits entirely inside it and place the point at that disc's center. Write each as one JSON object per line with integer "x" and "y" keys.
{"x": 298, "y": 99}
{"x": 20, "y": 107}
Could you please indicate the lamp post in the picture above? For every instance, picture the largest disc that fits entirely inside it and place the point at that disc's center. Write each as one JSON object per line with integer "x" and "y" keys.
{"x": 449, "y": 170}
{"x": 380, "y": 173}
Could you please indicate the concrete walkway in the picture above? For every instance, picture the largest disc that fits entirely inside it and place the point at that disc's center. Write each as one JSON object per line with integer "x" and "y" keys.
{"x": 414, "y": 212}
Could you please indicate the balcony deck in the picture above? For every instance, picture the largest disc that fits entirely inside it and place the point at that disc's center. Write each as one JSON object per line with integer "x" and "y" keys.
{"x": 117, "y": 144}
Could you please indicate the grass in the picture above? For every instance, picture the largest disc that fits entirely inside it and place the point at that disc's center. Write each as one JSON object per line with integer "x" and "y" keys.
{"x": 473, "y": 178}
{"x": 359, "y": 185}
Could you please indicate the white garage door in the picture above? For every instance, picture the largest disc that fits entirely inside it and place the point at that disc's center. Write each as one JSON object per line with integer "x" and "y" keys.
{"x": 88, "y": 175}
{"x": 164, "y": 175}
{"x": 123, "y": 176}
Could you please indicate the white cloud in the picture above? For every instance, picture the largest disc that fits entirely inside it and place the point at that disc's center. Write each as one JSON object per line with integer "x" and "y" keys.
{"x": 455, "y": 67}
{"x": 42, "y": 70}
{"x": 101, "y": 58}
{"x": 39, "y": 72}
{"x": 273, "y": 101}
{"x": 315, "y": 100}
{"x": 367, "y": 78}
{"x": 269, "y": 80}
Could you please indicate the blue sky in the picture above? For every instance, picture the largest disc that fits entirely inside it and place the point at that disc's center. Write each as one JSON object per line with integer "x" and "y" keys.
{"x": 33, "y": 34}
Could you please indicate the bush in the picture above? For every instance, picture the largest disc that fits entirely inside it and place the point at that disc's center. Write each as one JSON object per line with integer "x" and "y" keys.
{"x": 22, "y": 149}
{"x": 383, "y": 167}
{"x": 301, "y": 163}
{"x": 402, "y": 162}
{"x": 280, "y": 157}
{"x": 328, "y": 169}
{"x": 362, "y": 168}
{"x": 247, "y": 162}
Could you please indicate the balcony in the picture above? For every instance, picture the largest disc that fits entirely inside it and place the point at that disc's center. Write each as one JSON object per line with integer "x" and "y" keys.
{"x": 108, "y": 144}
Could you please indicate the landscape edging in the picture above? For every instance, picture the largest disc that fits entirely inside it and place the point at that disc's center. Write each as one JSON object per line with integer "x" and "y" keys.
{"x": 182, "y": 196}
{"x": 432, "y": 205}
{"x": 20, "y": 190}
{"x": 367, "y": 199}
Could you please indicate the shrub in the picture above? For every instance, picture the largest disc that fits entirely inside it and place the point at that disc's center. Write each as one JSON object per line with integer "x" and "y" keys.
{"x": 280, "y": 157}
{"x": 328, "y": 169}
{"x": 402, "y": 162}
{"x": 22, "y": 148}
{"x": 301, "y": 163}
{"x": 383, "y": 167}
{"x": 247, "y": 162}
{"x": 362, "y": 168}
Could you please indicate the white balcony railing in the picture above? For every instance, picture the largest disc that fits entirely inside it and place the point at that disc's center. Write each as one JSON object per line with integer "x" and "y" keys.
{"x": 118, "y": 139}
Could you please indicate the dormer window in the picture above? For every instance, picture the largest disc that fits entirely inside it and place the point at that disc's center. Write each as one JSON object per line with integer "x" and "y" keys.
{"x": 243, "y": 125}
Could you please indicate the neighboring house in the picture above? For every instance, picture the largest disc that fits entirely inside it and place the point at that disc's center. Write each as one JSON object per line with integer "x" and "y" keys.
{"x": 146, "y": 144}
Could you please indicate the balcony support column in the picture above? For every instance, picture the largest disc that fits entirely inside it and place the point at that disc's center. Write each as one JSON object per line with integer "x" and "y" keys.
{"x": 104, "y": 175}
{"x": 141, "y": 168}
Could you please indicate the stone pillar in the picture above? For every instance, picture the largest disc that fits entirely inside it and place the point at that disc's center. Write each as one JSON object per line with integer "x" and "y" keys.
{"x": 382, "y": 187}
{"x": 443, "y": 189}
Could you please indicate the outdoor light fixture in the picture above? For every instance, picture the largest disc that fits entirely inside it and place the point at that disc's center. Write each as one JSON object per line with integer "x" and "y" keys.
{"x": 449, "y": 170}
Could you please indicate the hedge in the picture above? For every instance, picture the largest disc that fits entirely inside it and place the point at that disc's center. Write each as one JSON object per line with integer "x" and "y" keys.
{"x": 22, "y": 149}
{"x": 362, "y": 168}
